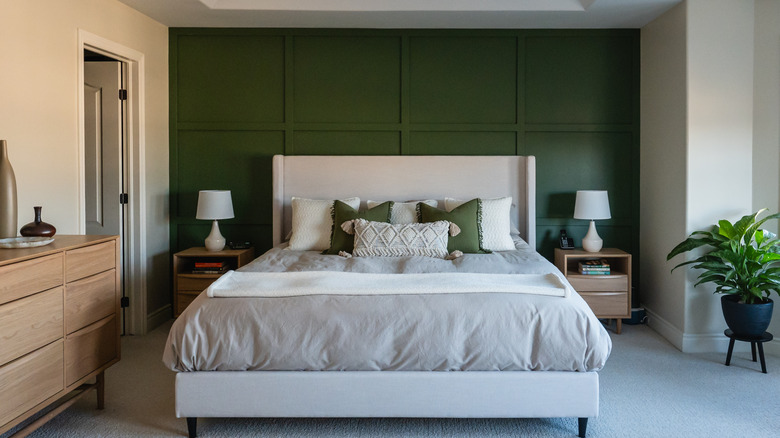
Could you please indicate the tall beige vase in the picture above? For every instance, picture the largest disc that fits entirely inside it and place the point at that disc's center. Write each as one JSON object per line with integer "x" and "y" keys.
{"x": 8, "y": 214}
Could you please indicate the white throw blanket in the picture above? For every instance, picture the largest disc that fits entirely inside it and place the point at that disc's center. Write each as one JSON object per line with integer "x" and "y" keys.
{"x": 290, "y": 284}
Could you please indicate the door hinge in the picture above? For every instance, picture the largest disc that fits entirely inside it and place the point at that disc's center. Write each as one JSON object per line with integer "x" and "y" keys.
{"x": 122, "y": 94}
{"x": 123, "y": 199}
{"x": 125, "y": 302}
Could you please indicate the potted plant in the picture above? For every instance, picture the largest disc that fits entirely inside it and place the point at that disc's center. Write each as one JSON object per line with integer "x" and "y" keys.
{"x": 744, "y": 264}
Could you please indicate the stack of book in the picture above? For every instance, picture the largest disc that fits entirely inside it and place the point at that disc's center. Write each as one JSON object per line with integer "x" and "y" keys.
{"x": 210, "y": 268}
{"x": 594, "y": 267}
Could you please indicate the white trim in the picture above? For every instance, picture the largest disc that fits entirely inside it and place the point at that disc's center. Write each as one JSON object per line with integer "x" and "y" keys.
{"x": 664, "y": 328}
{"x": 136, "y": 322}
{"x": 701, "y": 343}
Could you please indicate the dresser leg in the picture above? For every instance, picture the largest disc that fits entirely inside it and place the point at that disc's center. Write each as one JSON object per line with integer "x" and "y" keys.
{"x": 618, "y": 325}
{"x": 101, "y": 390}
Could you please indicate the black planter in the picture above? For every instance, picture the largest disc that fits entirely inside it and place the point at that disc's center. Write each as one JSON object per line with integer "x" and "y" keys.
{"x": 746, "y": 319}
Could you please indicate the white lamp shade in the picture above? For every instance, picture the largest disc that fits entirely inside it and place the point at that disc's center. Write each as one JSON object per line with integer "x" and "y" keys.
{"x": 591, "y": 204}
{"x": 214, "y": 204}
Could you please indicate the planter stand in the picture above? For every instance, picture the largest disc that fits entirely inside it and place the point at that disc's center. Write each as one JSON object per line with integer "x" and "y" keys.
{"x": 754, "y": 340}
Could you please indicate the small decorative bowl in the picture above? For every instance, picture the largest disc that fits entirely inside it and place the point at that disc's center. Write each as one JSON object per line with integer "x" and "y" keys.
{"x": 25, "y": 242}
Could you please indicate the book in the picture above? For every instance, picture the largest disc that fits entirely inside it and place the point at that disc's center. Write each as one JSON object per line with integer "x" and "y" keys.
{"x": 209, "y": 264}
{"x": 594, "y": 272}
{"x": 207, "y": 270}
{"x": 595, "y": 263}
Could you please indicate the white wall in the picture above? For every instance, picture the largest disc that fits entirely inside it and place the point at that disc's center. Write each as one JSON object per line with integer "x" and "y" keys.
{"x": 766, "y": 120}
{"x": 720, "y": 139}
{"x": 716, "y": 171}
{"x": 663, "y": 169}
{"x": 39, "y": 59}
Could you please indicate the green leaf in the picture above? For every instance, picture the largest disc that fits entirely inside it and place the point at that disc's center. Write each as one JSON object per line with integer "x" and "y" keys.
{"x": 689, "y": 244}
{"x": 726, "y": 229}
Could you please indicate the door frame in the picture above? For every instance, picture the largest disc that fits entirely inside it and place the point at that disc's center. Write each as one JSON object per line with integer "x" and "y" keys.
{"x": 135, "y": 269}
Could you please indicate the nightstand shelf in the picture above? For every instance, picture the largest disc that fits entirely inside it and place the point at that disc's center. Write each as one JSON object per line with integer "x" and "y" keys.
{"x": 188, "y": 285}
{"x": 609, "y": 296}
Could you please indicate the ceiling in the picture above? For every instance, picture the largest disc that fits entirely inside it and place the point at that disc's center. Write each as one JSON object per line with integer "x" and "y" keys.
{"x": 407, "y": 14}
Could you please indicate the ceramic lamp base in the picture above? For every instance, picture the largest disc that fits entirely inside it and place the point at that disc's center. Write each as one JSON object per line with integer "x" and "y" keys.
{"x": 592, "y": 242}
{"x": 215, "y": 241}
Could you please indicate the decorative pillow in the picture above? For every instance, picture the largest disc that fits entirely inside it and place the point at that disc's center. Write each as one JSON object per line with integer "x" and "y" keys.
{"x": 312, "y": 223}
{"x": 404, "y": 212}
{"x": 496, "y": 222}
{"x": 401, "y": 240}
{"x": 467, "y": 216}
{"x": 340, "y": 240}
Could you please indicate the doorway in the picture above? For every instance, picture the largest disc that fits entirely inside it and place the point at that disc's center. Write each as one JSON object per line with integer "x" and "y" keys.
{"x": 111, "y": 161}
{"x": 105, "y": 95}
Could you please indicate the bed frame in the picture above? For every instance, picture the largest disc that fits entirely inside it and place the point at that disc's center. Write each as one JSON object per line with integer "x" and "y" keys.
{"x": 469, "y": 394}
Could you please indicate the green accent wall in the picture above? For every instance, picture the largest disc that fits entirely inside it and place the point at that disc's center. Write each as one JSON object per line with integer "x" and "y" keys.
{"x": 569, "y": 97}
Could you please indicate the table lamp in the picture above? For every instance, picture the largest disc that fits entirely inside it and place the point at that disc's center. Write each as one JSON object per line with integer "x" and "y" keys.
{"x": 592, "y": 205}
{"x": 214, "y": 205}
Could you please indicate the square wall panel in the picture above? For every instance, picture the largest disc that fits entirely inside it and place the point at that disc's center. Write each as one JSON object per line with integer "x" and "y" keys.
{"x": 228, "y": 160}
{"x": 461, "y": 143}
{"x": 567, "y": 162}
{"x": 463, "y": 79}
{"x": 578, "y": 80}
{"x": 230, "y": 79}
{"x": 347, "y": 143}
{"x": 347, "y": 79}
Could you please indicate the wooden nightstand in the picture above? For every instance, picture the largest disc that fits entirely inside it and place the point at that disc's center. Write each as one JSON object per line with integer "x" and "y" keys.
{"x": 609, "y": 296}
{"x": 187, "y": 285}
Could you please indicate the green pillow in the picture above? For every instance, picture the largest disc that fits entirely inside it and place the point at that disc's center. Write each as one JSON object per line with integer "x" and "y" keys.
{"x": 467, "y": 216}
{"x": 341, "y": 241}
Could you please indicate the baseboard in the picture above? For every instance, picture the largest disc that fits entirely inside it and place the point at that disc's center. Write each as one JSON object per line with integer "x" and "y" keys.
{"x": 158, "y": 317}
{"x": 665, "y": 328}
{"x": 701, "y": 343}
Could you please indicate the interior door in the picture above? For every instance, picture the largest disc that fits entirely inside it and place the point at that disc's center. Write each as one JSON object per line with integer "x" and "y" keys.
{"x": 103, "y": 146}
{"x": 104, "y": 154}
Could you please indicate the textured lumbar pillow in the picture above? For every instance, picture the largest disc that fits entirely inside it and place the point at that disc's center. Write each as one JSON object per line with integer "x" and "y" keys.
{"x": 467, "y": 217}
{"x": 496, "y": 222}
{"x": 404, "y": 212}
{"x": 312, "y": 223}
{"x": 400, "y": 240}
{"x": 340, "y": 241}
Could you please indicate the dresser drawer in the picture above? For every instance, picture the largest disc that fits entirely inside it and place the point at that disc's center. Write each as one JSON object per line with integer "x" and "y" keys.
{"x": 30, "y": 380}
{"x": 90, "y": 299}
{"x": 30, "y": 323}
{"x": 607, "y": 304}
{"x": 90, "y": 348}
{"x": 596, "y": 283}
{"x": 89, "y": 260}
{"x": 25, "y": 278}
{"x": 194, "y": 284}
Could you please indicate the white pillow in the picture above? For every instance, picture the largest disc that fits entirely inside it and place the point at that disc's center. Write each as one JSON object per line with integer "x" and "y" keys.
{"x": 404, "y": 212}
{"x": 312, "y": 222}
{"x": 380, "y": 239}
{"x": 496, "y": 222}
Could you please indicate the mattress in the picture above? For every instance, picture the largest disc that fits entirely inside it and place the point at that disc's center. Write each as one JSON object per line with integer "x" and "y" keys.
{"x": 419, "y": 332}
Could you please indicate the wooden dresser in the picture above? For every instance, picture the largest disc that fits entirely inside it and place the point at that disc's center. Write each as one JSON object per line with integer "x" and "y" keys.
{"x": 59, "y": 324}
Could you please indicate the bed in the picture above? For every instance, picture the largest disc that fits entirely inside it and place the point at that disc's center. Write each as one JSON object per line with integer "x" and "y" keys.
{"x": 224, "y": 371}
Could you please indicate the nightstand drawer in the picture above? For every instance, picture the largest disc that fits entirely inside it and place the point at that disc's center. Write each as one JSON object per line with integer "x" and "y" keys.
{"x": 29, "y": 277}
{"x": 195, "y": 284}
{"x": 184, "y": 300}
{"x": 596, "y": 283}
{"x": 30, "y": 380}
{"x": 607, "y": 304}
{"x": 30, "y": 323}
{"x": 90, "y": 299}
{"x": 90, "y": 260}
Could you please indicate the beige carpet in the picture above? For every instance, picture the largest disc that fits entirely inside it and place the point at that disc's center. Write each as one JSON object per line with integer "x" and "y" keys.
{"x": 648, "y": 389}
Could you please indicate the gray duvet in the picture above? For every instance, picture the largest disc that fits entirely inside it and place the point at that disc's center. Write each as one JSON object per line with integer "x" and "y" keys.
{"x": 447, "y": 332}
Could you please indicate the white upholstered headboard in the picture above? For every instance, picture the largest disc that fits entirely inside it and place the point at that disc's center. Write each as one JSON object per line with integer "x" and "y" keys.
{"x": 403, "y": 178}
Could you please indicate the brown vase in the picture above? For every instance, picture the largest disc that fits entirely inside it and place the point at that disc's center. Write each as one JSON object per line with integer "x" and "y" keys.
{"x": 7, "y": 194}
{"x": 38, "y": 227}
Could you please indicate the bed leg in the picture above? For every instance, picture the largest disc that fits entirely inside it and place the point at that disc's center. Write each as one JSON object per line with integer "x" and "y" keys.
{"x": 583, "y": 426}
{"x": 192, "y": 426}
